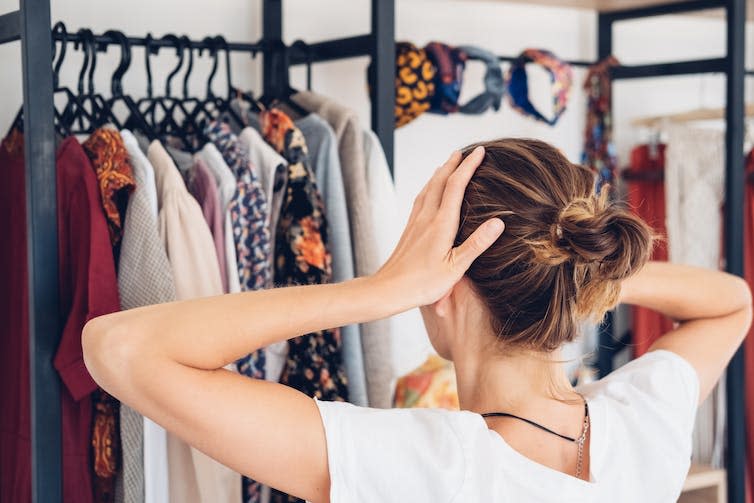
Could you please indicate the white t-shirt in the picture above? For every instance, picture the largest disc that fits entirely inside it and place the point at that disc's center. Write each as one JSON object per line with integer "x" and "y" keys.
{"x": 642, "y": 416}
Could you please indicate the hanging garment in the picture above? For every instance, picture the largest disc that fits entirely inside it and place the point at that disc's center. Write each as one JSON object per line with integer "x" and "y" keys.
{"x": 194, "y": 477}
{"x": 694, "y": 175}
{"x": 375, "y": 336}
{"x": 112, "y": 167}
{"x": 314, "y": 364}
{"x": 432, "y": 385}
{"x": 249, "y": 216}
{"x": 226, "y": 185}
{"x": 15, "y": 404}
{"x": 599, "y": 149}
{"x": 202, "y": 186}
{"x": 647, "y": 199}
{"x": 323, "y": 155}
{"x": 88, "y": 289}
{"x": 144, "y": 278}
{"x": 410, "y": 344}
{"x": 749, "y": 343}
{"x": 272, "y": 169}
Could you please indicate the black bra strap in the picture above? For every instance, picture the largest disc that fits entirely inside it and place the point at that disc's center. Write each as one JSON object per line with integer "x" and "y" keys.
{"x": 505, "y": 414}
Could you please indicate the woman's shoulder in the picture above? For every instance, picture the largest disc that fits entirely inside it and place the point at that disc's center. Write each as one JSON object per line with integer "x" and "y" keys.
{"x": 659, "y": 387}
{"x": 395, "y": 454}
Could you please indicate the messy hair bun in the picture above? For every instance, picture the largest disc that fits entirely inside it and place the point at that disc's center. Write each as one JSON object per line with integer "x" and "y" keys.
{"x": 565, "y": 249}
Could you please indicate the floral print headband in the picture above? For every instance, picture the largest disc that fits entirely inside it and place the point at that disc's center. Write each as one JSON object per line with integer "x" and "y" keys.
{"x": 561, "y": 77}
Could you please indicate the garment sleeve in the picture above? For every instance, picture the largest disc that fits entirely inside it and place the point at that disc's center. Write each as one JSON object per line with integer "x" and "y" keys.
{"x": 392, "y": 454}
{"x": 661, "y": 383}
{"x": 94, "y": 288}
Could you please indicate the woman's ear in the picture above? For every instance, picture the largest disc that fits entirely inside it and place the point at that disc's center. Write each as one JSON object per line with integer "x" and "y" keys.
{"x": 443, "y": 306}
{"x": 454, "y": 297}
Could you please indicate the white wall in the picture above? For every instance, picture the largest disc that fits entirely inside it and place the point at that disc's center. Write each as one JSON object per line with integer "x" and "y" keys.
{"x": 423, "y": 144}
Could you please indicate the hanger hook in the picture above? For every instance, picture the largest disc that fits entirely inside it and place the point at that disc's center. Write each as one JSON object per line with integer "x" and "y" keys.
{"x": 300, "y": 44}
{"x": 179, "y": 52}
{"x": 211, "y": 44}
{"x": 116, "y": 86}
{"x": 223, "y": 44}
{"x": 186, "y": 43}
{"x": 149, "y": 49}
{"x": 92, "y": 47}
{"x": 59, "y": 30}
{"x": 80, "y": 42}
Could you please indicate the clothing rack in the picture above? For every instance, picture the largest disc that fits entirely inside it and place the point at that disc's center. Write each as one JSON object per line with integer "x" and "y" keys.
{"x": 31, "y": 25}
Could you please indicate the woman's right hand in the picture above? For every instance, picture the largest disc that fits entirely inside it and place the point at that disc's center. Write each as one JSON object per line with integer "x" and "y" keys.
{"x": 425, "y": 265}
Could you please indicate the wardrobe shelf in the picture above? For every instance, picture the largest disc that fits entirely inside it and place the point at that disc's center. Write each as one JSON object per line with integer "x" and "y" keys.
{"x": 704, "y": 484}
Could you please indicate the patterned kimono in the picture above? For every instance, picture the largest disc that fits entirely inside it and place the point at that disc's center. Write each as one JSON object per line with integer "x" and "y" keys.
{"x": 248, "y": 211}
{"x": 314, "y": 365}
{"x": 106, "y": 150}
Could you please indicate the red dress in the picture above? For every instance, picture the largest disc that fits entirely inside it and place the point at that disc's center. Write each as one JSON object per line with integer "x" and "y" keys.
{"x": 647, "y": 199}
{"x": 88, "y": 289}
{"x": 15, "y": 407}
{"x": 749, "y": 343}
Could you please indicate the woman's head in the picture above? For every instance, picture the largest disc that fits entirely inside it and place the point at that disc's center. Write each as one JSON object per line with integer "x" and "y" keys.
{"x": 564, "y": 251}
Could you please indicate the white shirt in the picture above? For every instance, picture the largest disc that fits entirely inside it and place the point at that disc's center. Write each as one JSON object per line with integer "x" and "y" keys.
{"x": 641, "y": 415}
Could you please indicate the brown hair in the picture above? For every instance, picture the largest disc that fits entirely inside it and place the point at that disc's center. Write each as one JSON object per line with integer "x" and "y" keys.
{"x": 564, "y": 251}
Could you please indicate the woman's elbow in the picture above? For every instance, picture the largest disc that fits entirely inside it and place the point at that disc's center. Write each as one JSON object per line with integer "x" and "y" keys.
{"x": 744, "y": 303}
{"x": 108, "y": 351}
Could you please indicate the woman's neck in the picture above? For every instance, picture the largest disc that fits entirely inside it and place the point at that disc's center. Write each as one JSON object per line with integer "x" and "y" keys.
{"x": 519, "y": 382}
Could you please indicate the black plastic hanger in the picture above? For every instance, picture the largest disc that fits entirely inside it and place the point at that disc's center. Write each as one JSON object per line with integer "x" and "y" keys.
{"x": 135, "y": 120}
{"x": 281, "y": 90}
{"x": 223, "y": 105}
{"x": 76, "y": 110}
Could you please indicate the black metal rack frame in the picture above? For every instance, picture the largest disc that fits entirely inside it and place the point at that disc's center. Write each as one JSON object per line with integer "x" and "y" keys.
{"x": 732, "y": 65}
{"x": 31, "y": 25}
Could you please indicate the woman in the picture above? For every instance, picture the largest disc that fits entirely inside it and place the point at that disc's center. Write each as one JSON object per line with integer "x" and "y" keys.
{"x": 507, "y": 250}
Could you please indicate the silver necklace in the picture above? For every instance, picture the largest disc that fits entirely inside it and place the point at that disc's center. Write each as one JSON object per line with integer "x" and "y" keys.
{"x": 580, "y": 441}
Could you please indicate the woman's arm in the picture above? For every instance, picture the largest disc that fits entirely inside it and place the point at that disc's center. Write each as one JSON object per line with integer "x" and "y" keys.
{"x": 166, "y": 360}
{"x": 713, "y": 310}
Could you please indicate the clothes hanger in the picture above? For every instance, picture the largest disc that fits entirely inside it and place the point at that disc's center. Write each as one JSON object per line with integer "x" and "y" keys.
{"x": 170, "y": 125}
{"x": 58, "y": 29}
{"x": 78, "y": 110}
{"x": 281, "y": 89}
{"x": 135, "y": 120}
{"x": 157, "y": 109}
{"x": 196, "y": 112}
{"x": 222, "y": 106}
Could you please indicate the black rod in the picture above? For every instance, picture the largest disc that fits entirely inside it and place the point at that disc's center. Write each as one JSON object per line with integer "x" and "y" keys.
{"x": 606, "y": 350}
{"x": 383, "y": 65}
{"x": 10, "y": 27}
{"x": 42, "y": 238}
{"x": 103, "y": 40}
{"x": 734, "y": 238}
{"x": 578, "y": 63}
{"x": 361, "y": 45}
{"x": 663, "y": 9}
{"x": 272, "y": 31}
{"x": 715, "y": 65}
{"x": 330, "y": 50}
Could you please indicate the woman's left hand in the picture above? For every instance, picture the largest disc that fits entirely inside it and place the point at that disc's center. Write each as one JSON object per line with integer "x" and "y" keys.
{"x": 425, "y": 265}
